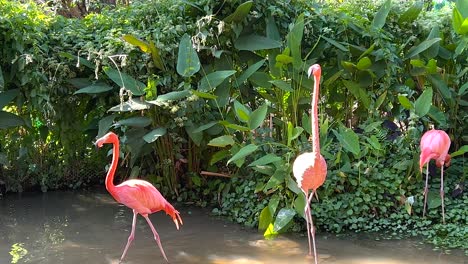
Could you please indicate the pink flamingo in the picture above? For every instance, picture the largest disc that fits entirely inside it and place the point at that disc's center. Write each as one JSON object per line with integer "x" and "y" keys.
{"x": 138, "y": 195}
{"x": 435, "y": 145}
{"x": 310, "y": 168}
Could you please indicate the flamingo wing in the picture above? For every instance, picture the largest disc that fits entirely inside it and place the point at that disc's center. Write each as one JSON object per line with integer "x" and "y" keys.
{"x": 140, "y": 195}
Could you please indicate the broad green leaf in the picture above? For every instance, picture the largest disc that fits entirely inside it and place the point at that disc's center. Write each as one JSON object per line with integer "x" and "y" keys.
{"x": 457, "y": 20}
{"x": 270, "y": 233}
{"x": 155, "y": 134}
{"x": 300, "y": 204}
{"x": 285, "y": 215}
{"x": 261, "y": 79}
{"x": 171, "y": 96}
{"x": 380, "y": 100}
{"x": 137, "y": 42}
{"x": 220, "y": 155}
{"x": 7, "y": 96}
{"x": 138, "y": 121}
{"x": 243, "y": 152}
{"x": 212, "y": 80}
{"x": 423, "y": 103}
{"x": 283, "y": 85}
{"x": 222, "y": 141}
{"x": 440, "y": 84}
{"x": 136, "y": 87}
{"x": 9, "y": 120}
{"x": 104, "y": 124}
{"x": 255, "y": 42}
{"x": 195, "y": 136}
{"x": 240, "y": 13}
{"x": 374, "y": 142}
{"x": 250, "y": 70}
{"x": 81, "y": 82}
{"x": 234, "y": 126}
{"x": 411, "y": 13}
{"x": 463, "y": 89}
{"x": 294, "y": 38}
{"x": 336, "y": 44}
{"x": 381, "y": 16}
{"x": 257, "y": 117}
{"x": 364, "y": 63}
{"x": 433, "y": 200}
{"x": 284, "y": 59}
{"x": 306, "y": 123}
{"x": 275, "y": 180}
{"x": 265, "y": 219}
{"x": 267, "y": 159}
{"x": 94, "y": 89}
{"x": 205, "y": 126}
{"x": 405, "y": 102}
{"x": 187, "y": 60}
{"x": 333, "y": 78}
{"x": 461, "y": 151}
{"x": 296, "y": 132}
{"x": 462, "y": 6}
{"x": 421, "y": 47}
{"x": 433, "y": 50}
{"x": 204, "y": 95}
{"x": 242, "y": 112}
{"x": 273, "y": 204}
{"x": 272, "y": 31}
{"x": 292, "y": 185}
{"x": 348, "y": 139}
{"x": 358, "y": 92}
{"x": 438, "y": 116}
{"x": 156, "y": 56}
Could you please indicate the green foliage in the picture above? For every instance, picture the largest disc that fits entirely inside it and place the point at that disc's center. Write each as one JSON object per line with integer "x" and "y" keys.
{"x": 223, "y": 88}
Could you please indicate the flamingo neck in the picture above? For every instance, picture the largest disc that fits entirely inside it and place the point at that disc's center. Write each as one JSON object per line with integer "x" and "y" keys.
{"x": 115, "y": 159}
{"x": 314, "y": 117}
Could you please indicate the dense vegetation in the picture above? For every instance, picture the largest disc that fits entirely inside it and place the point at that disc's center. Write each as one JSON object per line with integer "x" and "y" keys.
{"x": 211, "y": 101}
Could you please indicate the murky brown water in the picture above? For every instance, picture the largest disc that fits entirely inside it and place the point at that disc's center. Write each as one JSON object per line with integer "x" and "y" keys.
{"x": 90, "y": 227}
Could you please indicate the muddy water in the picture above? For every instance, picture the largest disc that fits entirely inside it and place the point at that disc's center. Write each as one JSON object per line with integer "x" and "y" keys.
{"x": 90, "y": 227}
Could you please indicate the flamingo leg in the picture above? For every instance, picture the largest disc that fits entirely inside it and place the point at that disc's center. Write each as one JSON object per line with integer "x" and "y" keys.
{"x": 426, "y": 190}
{"x": 310, "y": 227}
{"x": 442, "y": 191}
{"x": 131, "y": 237}
{"x": 156, "y": 236}
{"x": 306, "y": 211}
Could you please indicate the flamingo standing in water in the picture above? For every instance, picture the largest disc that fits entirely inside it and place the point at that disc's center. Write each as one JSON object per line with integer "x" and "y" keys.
{"x": 435, "y": 145}
{"x": 310, "y": 168}
{"x": 139, "y": 195}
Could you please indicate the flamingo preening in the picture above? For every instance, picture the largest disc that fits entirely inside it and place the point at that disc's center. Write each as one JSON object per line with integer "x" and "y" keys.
{"x": 435, "y": 145}
{"x": 310, "y": 168}
{"x": 139, "y": 195}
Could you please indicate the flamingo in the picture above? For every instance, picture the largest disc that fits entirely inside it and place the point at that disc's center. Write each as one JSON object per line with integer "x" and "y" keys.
{"x": 435, "y": 145}
{"x": 310, "y": 168}
{"x": 139, "y": 195}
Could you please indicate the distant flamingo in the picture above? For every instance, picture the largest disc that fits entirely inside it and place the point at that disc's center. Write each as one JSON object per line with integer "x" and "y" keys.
{"x": 435, "y": 145}
{"x": 310, "y": 168}
{"x": 139, "y": 195}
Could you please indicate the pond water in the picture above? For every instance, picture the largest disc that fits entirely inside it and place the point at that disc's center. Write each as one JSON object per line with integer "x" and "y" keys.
{"x": 90, "y": 227}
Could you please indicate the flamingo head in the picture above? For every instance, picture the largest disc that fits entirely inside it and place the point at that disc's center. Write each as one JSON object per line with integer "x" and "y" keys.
{"x": 110, "y": 137}
{"x": 315, "y": 69}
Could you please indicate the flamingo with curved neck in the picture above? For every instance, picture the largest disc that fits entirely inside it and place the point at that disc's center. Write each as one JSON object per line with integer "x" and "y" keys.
{"x": 139, "y": 195}
{"x": 310, "y": 168}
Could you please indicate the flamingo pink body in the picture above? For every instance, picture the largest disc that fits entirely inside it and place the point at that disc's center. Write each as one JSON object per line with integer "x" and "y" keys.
{"x": 435, "y": 145}
{"x": 310, "y": 169}
{"x": 139, "y": 195}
